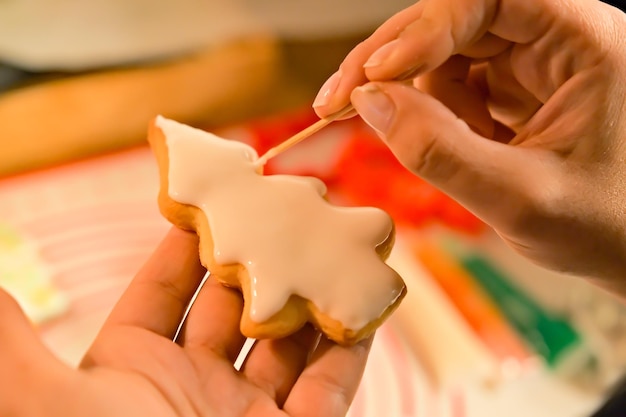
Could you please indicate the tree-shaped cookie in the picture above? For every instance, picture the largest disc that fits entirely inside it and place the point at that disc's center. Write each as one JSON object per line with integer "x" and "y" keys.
{"x": 296, "y": 257}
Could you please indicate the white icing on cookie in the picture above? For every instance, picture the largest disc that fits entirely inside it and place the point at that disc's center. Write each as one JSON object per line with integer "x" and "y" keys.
{"x": 282, "y": 230}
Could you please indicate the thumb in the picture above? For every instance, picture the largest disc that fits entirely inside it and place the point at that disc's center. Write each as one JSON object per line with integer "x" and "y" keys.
{"x": 497, "y": 182}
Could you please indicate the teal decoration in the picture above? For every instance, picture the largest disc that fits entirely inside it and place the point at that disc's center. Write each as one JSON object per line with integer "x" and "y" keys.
{"x": 550, "y": 336}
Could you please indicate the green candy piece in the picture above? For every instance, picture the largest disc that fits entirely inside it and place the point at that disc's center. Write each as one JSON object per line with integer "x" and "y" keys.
{"x": 552, "y": 337}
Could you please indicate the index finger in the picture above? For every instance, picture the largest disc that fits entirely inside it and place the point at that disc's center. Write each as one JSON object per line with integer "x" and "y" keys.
{"x": 157, "y": 298}
{"x": 443, "y": 28}
{"x": 415, "y": 40}
{"x": 335, "y": 93}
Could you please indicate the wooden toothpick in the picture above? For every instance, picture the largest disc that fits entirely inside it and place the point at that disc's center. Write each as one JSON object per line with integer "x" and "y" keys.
{"x": 303, "y": 134}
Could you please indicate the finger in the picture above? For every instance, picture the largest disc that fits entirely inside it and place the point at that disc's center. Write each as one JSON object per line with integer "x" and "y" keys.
{"x": 335, "y": 93}
{"x": 328, "y": 384}
{"x": 487, "y": 46}
{"x": 449, "y": 84}
{"x": 477, "y": 79}
{"x": 444, "y": 28}
{"x": 213, "y": 321}
{"x": 414, "y": 41}
{"x": 157, "y": 297}
{"x": 487, "y": 177}
{"x": 475, "y": 28}
{"x": 509, "y": 102}
{"x": 275, "y": 365}
{"x": 424, "y": 36}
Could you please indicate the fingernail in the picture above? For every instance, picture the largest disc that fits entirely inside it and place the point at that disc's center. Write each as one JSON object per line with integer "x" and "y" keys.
{"x": 327, "y": 90}
{"x": 374, "y": 106}
{"x": 381, "y": 54}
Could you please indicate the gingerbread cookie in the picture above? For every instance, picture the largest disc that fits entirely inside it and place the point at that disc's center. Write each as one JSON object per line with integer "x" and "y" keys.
{"x": 295, "y": 257}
